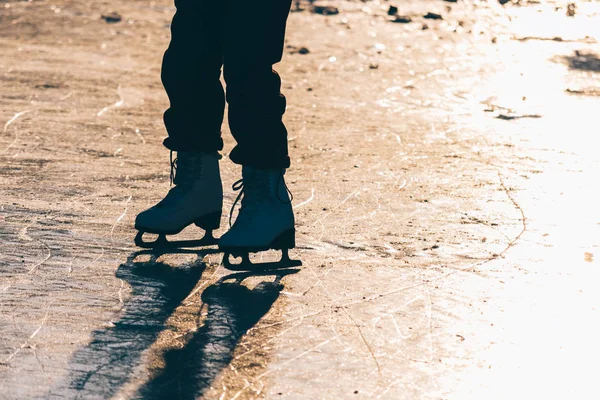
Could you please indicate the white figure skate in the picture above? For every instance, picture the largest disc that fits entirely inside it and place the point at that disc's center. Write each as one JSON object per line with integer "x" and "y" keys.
{"x": 196, "y": 198}
{"x": 265, "y": 221}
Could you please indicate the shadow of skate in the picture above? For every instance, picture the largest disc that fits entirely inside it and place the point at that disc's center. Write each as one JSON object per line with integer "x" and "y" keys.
{"x": 102, "y": 367}
{"x": 114, "y": 355}
{"x": 232, "y": 310}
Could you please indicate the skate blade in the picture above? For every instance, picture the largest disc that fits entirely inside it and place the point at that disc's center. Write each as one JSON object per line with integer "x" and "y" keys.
{"x": 163, "y": 243}
{"x": 155, "y": 253}
{"x": 247, "y": 265}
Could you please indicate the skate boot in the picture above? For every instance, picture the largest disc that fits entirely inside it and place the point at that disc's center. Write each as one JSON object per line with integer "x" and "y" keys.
{"x": 265, "y": 220}
{"x": 196, "y": 198}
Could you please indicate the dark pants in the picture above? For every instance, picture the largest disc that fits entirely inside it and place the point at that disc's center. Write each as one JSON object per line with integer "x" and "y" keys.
{"x": 245, "y": 38}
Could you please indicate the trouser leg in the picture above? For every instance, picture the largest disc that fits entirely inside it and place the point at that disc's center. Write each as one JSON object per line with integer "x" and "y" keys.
{"x": 191, "y": 76}
{"x": 254, "y": 41}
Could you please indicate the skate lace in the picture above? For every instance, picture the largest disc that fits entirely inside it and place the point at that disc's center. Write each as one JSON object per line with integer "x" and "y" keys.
{"x": 184, "y": 171}
{"x": 256, "y": 195}
{"x": 173, "y": 167}
{"x": 182, "y": 175}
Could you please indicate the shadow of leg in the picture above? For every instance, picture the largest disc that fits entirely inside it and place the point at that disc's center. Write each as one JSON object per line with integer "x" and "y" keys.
{"x": 232, "y": 310}
{"x": 101, "y": 368}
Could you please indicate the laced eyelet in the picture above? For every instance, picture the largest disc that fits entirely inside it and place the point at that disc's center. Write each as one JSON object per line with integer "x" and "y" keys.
{"x": 237, "y": 185}
{"x": 173, "y": 167}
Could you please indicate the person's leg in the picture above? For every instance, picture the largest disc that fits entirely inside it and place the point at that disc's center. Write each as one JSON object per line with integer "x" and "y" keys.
{"x": 253, "y": 44}
{"x": 191, "y": 73}
{"x": 191, "y": 76}
{"x": 254, "y": 41}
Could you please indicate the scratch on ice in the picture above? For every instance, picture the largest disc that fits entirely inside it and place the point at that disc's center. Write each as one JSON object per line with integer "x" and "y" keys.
{"x": 26, "y": 342}
{"x": 120, "y": 217}
{"x": 9, "y": 123}
{"x": 115, "y": 105}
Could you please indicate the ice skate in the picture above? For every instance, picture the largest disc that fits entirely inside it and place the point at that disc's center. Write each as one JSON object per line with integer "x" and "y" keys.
{"x": 196, "y": 198}
{"x": 265, "y": 221}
